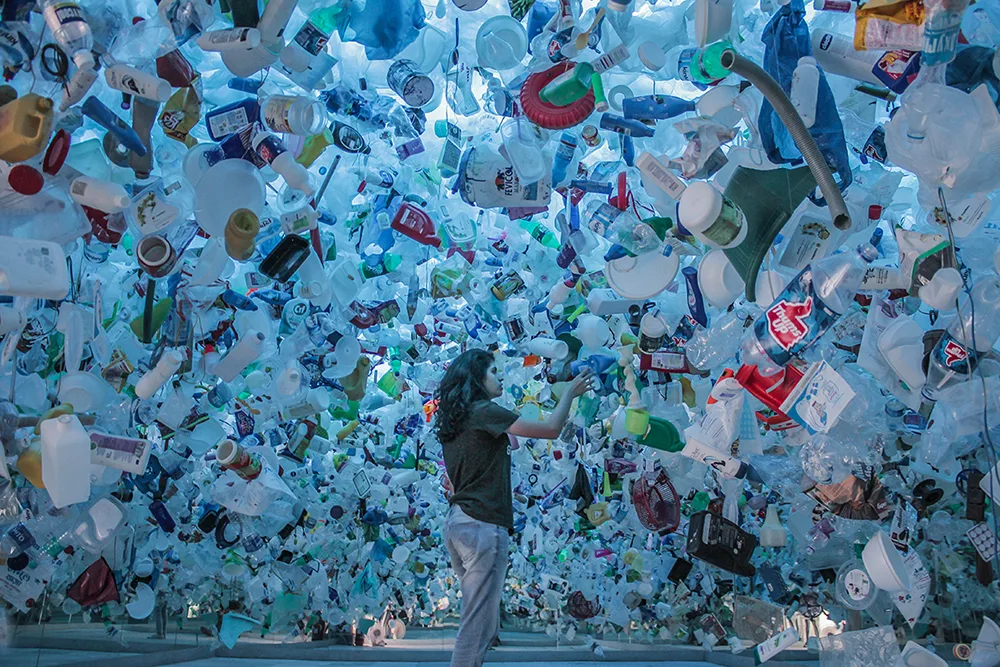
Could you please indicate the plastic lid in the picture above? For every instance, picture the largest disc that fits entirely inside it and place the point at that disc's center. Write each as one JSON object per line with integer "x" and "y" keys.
{"x": 25, "y": 180}
{"x": 719, "y": 280}
{"x": 641, "y": 277}
{"x": 56, "y": 153}
{"x": 652, "y": 56}
{"x": 874, "y": 212}
{"x": 699, "y": 206}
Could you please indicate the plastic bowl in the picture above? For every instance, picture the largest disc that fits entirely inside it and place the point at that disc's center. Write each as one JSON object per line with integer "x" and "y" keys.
{"x": 885, "y": 564}
{"x": 225, "y": 187}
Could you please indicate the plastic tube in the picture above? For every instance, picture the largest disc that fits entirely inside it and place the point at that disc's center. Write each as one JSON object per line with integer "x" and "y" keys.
{"x": 769, "y": 88}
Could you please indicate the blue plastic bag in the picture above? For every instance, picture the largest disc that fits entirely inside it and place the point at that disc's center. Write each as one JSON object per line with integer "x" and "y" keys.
{"x": 386, "y": 27}
{"x": 786, "y": 39}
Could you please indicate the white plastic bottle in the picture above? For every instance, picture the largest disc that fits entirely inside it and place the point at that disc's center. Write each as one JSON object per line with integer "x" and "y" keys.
{"x": 313, "y": 402}
{"x": 232, "y": 39}
{"x": 100, "y": 194}
{"x": 157, "y": 376}
{"x": 805, "y": 89}
{"x": 242, "y": 355}
{"x": 69, "y": 27}
{"x": 549, "y": 348}
{"x": 679, "y": 62}
{"x": 711, "y": 216}
{"x": 65, "y": 460}
{"x": 293, "y": 114}
{"x": 772, "y": 533}
{"x": 836, "y": 55}
{"x": 271, "y": 149}
{"x": 134, "y": 81}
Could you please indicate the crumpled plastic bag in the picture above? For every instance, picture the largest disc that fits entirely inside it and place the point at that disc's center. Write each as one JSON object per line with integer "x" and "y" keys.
{"x": 385, "y": 27}
{"x": 786, "y": 39}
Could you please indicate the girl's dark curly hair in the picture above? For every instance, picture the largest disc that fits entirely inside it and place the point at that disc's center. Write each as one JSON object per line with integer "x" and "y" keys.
{"x": 461, "y": 387}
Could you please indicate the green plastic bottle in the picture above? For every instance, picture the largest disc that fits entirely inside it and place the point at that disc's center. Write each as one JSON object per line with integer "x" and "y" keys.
{"x": 569, "y": 86}
{"x": 541, "y": 233}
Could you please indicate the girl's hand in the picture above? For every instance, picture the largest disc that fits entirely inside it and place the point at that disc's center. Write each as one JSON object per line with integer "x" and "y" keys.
{"x": 582, "y": 383}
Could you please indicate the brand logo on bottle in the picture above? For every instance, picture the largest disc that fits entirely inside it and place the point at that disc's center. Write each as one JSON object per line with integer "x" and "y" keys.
{"x": 786, "y": 322}
{"x": 954, "y": 353}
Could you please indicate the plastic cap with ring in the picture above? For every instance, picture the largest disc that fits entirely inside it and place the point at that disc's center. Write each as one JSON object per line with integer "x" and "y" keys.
{"x": 617, "y": 94}
{"x": 25, "y": 180}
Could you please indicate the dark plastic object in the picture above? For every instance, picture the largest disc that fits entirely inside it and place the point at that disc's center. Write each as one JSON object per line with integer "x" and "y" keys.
{"x": 95, "y": 586}
{"x": 286, "y": 258}
{"x": 721, "y": 543}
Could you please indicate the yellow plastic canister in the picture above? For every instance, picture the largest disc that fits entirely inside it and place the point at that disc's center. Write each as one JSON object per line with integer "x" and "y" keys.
{"x": 25, "y": 126}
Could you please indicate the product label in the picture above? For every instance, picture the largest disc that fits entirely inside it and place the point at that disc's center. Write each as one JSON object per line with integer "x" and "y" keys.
{"x": 819, "y": 399}
{"x": 610, "y": 59}
{"x": 858, "y": 585}
{"x": 269, "y": 148}
{"x": 311, "y": 38}
{"x": 794, "y": 321}
{"x": 127, "y": 454}
{"x": 67, "y": 12}
{"x": 954, "y": 356}
{"x": 151, "y": 213}
{"x": 661, "y": 176}
{"x": 813, "y": 239}
{"x": 940, "y": 37}
{"x": 228, "y": 122}
{"x": 275, "y": 113}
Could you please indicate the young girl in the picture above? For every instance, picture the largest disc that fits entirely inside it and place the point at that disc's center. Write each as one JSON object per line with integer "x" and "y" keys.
{"x": 474, "y": 436}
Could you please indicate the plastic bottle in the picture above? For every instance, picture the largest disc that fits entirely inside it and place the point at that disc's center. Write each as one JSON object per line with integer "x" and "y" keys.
{"x": 25, "y": 127}
{"x": 569, "y": 86}
{"x": 711, "y": 216}
{"x": 230, "y": 39}
{"x": 65, "y": 460}
{"x": 805, "y": 89}
{"x": 246, "y": 351}
{"x": 293, "y": 114}
{"x": 312, "y": 37}
{"x": 241, "y": 231}
{"x": 100, "y": 194}
{"x": 806, "y": 309}
{"x": 157, "y": 376}
{"x": 563, "y": 157}
{"x": 955, "y": 357}
{"x": 134, "y": 81}
{"x": 271, "y": 149}
{"x": 772, "y": 533}
{"x": 66, "y": 21}
{"x": 652, "y": 331}
{"x": 655, "y": 107}
{"x": 835, "y": 53}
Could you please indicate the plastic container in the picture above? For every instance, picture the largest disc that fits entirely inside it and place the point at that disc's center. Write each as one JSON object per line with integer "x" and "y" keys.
{"x": 32, "y": 268}
{"x": 293, "y": 114}
{"x": 158, "y": 376}
{"x": 102, "y": 195}
{"x": 245, "y": 352}
{"x": 240, "y": 234}
{"x": 25, "y": 127}
{"x": 885, "y": 565}
{"x": 273, "y": 151}
{"x": 65, "y": 460}
{"x": 711, "y": 216}
{"x": 134, "y": 81}
{"x": 805, "y": 89}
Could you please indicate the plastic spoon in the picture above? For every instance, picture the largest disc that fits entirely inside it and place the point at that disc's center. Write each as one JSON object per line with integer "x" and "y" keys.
{"x": 584, "y": 37}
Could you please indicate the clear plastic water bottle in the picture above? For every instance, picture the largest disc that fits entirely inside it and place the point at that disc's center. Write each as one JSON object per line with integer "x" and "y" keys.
{"x": 68, "y": 25}
{"x": 970, "y": 335}
{"x": 807, "y": 308}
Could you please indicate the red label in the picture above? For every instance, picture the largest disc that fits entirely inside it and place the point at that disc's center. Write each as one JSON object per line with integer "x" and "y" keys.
{"x": 954, "y": 353}
{"x": 786, "y": 322}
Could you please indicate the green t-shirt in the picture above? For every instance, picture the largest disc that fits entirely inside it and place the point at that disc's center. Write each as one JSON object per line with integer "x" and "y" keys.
{"x": 478, "y": 463}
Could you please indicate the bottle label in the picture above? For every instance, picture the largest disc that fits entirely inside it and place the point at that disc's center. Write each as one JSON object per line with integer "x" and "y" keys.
{"x": 228, "y": 122}
{"x": 727, "y": 226}
{"x": 269, "y": 148}
{"x": 794, "y": 321}
{"x": 275, "y": 113}
{"x": 940, "y": 37}
{"x": 127, "y": 454}
{"x": 67, "y": 12}
{"x": 954, "y": 356}
{"x": 311, "y": 38}
{"x": 602, "y": 219}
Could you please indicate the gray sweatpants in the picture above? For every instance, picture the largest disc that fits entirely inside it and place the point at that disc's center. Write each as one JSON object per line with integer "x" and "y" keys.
{"x": 479, "y": 555}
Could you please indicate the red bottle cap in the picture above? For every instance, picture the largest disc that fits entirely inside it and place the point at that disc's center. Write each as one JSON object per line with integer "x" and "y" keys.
{"x": 56, "y": 153}
{"x": 874, "y": 212}
{"x": 25, "y": 180}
